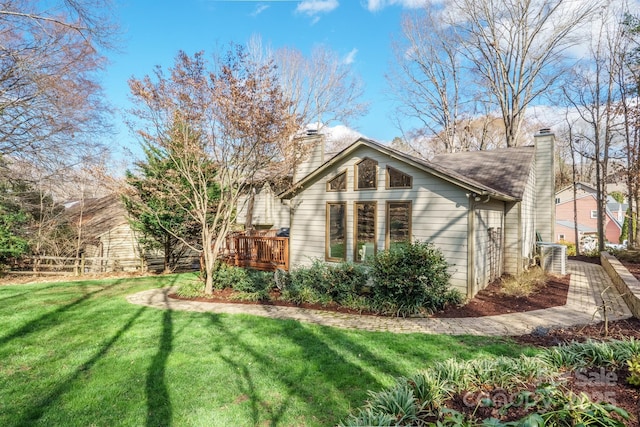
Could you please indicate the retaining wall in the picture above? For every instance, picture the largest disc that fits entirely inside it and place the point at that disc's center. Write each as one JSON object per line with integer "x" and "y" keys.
{"x": 625, "y": 282}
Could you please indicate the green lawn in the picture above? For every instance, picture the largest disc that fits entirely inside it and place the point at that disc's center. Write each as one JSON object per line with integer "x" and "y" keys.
{"x": 77, "y": 354}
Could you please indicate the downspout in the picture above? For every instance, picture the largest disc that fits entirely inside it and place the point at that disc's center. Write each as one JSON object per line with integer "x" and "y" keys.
{"x": 471, "y": 246}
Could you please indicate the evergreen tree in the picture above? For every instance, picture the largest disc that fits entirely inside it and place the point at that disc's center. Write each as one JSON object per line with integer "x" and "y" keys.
{"x": 153, "y": 214}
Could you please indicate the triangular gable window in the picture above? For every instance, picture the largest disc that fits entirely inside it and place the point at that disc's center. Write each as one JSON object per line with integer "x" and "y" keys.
{"x": 339, "y": 183}
{"x": 398, "y": 179}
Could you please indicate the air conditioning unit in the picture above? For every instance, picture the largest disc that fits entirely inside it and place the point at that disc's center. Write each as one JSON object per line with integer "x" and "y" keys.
{"x": 553, "y": 258}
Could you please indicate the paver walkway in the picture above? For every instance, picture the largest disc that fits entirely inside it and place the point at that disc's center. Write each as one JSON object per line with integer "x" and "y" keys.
{"x": 589, "y": 287}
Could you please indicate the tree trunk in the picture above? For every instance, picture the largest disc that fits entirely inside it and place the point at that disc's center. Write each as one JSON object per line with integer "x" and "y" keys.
{"x": 167, "y": 253}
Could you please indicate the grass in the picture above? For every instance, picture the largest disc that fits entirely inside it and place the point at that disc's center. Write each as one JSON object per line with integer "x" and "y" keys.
{"x": 78, "y": 354}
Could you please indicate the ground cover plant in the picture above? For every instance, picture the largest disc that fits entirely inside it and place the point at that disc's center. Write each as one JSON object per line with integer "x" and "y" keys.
{"x": 77, "y": 353}
{"x": 537, "y": 390}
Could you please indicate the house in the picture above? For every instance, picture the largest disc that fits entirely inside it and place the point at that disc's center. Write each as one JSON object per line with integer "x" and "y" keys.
{"x": 481, "y": 209}
{"x": 586, "y": 206}
{"x": 105, "y": 233}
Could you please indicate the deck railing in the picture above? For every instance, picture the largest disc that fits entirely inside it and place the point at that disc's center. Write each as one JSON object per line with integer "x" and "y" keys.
{"x": 259, "y": 252}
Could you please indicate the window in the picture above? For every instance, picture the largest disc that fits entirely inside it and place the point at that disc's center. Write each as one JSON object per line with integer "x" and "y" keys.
{"x": 338, "y": 183}
{"x": 398, "y": 223}
{"x": 557, "y": 200}
{"x": 594, "y": 214}
{"x": 366, "y": 174}
{"x": 365, "y": 230}
{"x": 336, "y": 238}
{"x": 560, "y": 236}
{"x": 397, "y": 179}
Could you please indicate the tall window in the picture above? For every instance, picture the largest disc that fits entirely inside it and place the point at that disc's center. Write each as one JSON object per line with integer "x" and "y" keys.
{"x": 365, "y": 230}
{"x": 336, "y": 238}
{"x": 367, "y": 174}
{"x": 398, "y": 223}
{"x": 397, "y": 179}
{"x": 339, "y": 183}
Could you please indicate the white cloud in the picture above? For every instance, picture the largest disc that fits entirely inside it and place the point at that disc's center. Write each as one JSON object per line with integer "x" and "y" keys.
{"x": 314, "y": 7}
{"x": 376, "y": 5}
{"x": 351, "y": 56}
{"x": 259, "y": 9}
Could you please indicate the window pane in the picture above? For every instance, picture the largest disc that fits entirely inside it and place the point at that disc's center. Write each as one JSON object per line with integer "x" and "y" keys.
{"x": 399, "y": 222}
{"x": 367, "y": 174}
{"x": 337, "y": 225}
{"x": 398, "y": 179}
{"x": 339, "y": 183}
{"x": 365, "y": 231}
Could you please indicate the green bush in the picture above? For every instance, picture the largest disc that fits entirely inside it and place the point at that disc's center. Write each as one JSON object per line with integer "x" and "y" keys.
{"x": 227, "y": 276}
{"x": 191, "y": 289}
{"x": 322, "y": 282}
{"x": 410, "y": 279}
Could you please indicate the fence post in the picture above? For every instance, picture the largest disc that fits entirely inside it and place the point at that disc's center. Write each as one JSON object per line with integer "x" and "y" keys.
{"x": 82, "y": 264}
{"x": 236, "y": 241}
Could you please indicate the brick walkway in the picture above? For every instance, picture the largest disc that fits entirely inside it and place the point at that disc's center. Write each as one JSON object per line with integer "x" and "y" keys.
{"x": 589, "y": 287}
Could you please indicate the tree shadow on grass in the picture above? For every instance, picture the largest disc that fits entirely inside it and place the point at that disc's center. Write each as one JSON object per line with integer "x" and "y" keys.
{"x": 52, "y": 317}
{"x": 316, "y": 352}
{"x": 39, "y": 406}
{"x": 159, "y": 408}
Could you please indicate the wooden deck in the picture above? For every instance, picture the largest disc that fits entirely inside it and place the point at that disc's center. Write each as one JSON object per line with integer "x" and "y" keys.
{"x": 268, "y": 253}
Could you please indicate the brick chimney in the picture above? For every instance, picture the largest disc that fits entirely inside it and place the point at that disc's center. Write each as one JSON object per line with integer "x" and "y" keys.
{"x": 545, "y": 184}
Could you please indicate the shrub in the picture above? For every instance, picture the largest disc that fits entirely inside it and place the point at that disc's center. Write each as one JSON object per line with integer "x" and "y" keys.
{"x": 191, "y": 289}
{"x": 634, "y": 370}
{"x": 347, "y": 280}
{"x": 571, "y": 247}
{"x": 524, "y": 284}
{"x": 322, "y": 282}
{"x": 410, "y": 278}
{"x": 226, "y": 276}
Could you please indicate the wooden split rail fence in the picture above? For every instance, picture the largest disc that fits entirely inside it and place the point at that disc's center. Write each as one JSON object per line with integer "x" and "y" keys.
{"x": 53, "y": 265}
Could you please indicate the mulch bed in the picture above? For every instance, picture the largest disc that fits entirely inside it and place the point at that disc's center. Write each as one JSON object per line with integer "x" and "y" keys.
{"x": 491, "y": 301}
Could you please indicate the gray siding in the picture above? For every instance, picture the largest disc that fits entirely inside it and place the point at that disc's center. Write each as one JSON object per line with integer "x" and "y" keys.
{"x": 439, "y": 213}
{"x": 512, "y": 241}
{"x": 545, "y": 187}
{"x": 119, "y": 247}
{"x": 520, "y": 230}
{"x": 489, "y": 219}
{"x": 268, "y": 209}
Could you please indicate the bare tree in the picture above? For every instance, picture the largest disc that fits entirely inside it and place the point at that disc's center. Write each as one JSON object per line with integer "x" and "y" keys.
{"x": 219, "y": 128}
{"x": 51, "y": 103}
{"x": 426, "y": 79}
{"x": 507, "y": 53}
{"x": 594, "y": 96}
{"x": 516, "y": 48}
{"x": 323, "y": 88}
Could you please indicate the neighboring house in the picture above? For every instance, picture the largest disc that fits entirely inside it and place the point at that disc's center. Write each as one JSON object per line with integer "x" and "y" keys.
{"x": 105, "y": 233}
{"x": 587, "y": 215}
{"x": 481, "y": 209}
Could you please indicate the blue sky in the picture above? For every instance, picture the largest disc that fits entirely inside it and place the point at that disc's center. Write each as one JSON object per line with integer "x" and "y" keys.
{"x": 357, "y": 30}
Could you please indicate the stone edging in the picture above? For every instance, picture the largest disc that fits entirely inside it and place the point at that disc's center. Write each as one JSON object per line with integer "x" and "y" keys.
{"x": 626, "y": 283}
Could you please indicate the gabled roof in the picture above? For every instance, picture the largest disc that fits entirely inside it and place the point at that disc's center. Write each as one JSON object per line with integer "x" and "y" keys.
{"x": 581, "y": 228}
{"x": 505, "y": 170}
{"x": 454, "y": 168}
{"x": 579, "y": 186}
{"x": 98, "y": 215}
